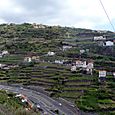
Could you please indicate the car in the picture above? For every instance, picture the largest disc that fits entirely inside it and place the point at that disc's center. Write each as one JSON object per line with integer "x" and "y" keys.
{"x": 39, "y": 107}
{"x": 60, "y": 104}
{"x": 21, "y": 87}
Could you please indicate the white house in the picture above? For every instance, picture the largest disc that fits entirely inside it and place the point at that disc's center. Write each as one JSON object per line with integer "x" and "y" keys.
{"x": 59, "y": 62}
{"x": 41, "y": 26}
{"x": 108, "y": 43}
{"x": 82, "y": 51}
{"x": 35, "y": 58}
{"x": 73, "y": 68}
{"x": 96, "y": 38}
{"x": 50, "y": 53}
{"x": 35, "y": 25}
{"x": 102, "y": 73}
{"x": 38, "y": 26}
{"x": 27, "y": 59}
{"x": 84, "y": 64}
{"x": 81, "y": 64}
{"x": 2, "y": 65}
{"x": 5, "y": 52}
{"x": 90, "y": 67}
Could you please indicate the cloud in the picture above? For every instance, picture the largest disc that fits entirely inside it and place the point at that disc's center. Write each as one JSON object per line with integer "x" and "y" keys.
{"x": 2, "y": 21}
{"x": 77, "y": 13}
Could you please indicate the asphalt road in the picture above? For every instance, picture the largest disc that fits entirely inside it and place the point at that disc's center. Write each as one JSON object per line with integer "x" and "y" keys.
{"x": 46, "y": 103}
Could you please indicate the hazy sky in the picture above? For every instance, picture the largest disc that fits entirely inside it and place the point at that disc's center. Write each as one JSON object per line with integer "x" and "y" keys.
{"x": 75, "y": 13}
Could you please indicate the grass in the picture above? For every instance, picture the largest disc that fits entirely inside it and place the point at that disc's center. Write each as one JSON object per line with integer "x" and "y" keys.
{"x": 75, "y": 88}
{"x": 43, "y": 79}
{"x": 2, "y": 81}
{"x": 79, "y": 83}
{"x": 72, "y": 95}
{"x": 12, "y": 59}
{"x": 97, "y": 100}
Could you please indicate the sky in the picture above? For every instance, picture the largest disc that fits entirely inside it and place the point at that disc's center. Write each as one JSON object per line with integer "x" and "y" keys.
{"x": 73, "y": 13}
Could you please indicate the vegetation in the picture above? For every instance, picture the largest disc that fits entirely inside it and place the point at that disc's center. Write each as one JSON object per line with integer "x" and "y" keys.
{"x": 24, "y": 39}
{"x": 10, "y": 105}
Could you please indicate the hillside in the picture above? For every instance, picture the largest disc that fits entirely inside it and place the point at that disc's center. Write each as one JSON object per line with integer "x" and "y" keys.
{"x": 57, "y": 48}
{"x": 12, "y": 105}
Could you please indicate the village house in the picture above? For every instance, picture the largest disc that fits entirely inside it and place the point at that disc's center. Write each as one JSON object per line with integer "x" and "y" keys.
{"x": 90, "y": 67}
{"x": 73, "y": 68}
{"x": 50, "y": 53}
{"x": 82, "y": 51}
{"x": 27, "y": 59}
{"x": 6, "y": 67}
{"x": 102, "y": 75}
{"x": 35, "y": 58}
{"x": 3, "y": 53}
{"x": 40, "y": 26}
{"x": 99, "y": 38}
{"x": 108, "y": 43}
{"x": 35, "y": 25}
{"x": 59, "y": 62}
{"x": 100, "y": 43}
{"x": 102, "y": 31}
{"x": 2, "y": 65}
{"x": 80, "y": 64}
{"x": 86, "y": 66}
{"x": 32, "y": 57}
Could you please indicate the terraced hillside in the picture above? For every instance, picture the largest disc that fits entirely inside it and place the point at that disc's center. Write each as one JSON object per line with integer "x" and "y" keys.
{"x": 57, "y": 79}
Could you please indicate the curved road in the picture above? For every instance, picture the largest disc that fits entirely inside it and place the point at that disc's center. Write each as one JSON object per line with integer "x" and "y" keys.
{"x": 46, "y": 103}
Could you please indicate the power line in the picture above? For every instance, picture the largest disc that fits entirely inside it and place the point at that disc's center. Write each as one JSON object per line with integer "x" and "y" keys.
{"x": 107, "y": 15}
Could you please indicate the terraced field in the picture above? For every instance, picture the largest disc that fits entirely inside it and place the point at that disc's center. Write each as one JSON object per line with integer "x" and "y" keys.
{"x": 84, "y": 90}
{"x": 59, "y": 81}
